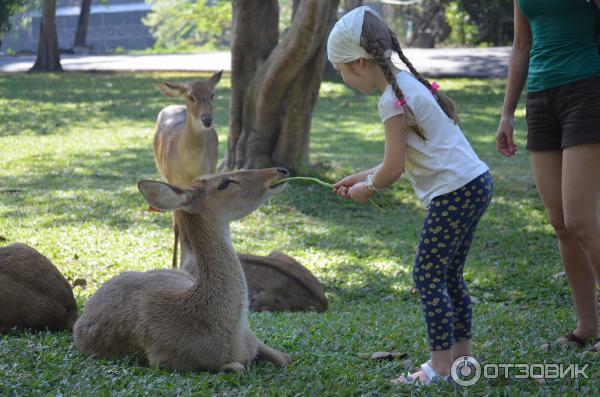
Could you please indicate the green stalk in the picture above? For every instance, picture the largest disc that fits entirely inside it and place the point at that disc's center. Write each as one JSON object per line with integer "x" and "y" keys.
{"x": 302, "y": 178}
{"x": 316, "y": 180}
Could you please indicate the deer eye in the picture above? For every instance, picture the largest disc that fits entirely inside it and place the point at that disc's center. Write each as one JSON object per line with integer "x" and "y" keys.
{"x": 225, "y": 183}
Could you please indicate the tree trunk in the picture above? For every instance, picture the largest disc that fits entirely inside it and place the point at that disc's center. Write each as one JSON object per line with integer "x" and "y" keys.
{"x": 82, "y": 24}
{"x": 349, "y": 5}
{"x": 275, "y": 86}
{"x": 424, "y": 35}
{"x": 48, "y": 56}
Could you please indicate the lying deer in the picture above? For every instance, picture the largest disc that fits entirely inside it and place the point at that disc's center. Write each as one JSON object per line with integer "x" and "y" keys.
{"x": 186, "y": 143}
{"x": 278, "y": 282}
{"x": 167, "y": 317}
{"x": 33, "y": 293}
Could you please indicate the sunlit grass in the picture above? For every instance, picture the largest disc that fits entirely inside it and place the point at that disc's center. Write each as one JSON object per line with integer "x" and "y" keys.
{"x": 73, "y": 147}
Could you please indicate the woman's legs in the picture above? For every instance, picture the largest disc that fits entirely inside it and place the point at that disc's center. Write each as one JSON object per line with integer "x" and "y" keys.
{"x": 548, "y": 172}
{"x": 581, "y": 202}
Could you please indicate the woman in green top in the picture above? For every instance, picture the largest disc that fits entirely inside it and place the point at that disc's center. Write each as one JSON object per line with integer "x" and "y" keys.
{"x": 556, "y": 51}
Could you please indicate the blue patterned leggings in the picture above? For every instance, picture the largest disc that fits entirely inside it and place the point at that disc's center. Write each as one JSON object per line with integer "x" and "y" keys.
{"x": 447, "y": 234}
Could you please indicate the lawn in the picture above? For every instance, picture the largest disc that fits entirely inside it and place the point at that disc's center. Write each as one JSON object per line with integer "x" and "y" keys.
{"x": 73, "y": 146}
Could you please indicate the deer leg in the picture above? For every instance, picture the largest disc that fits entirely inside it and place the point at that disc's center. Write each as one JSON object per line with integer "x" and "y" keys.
{"x": 176, "y": 237}
{"x": 266, "y": 353}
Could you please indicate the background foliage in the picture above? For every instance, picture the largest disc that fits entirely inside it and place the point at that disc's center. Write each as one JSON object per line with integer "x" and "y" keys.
{"x": 179, "y": 25}
{"x": 7, "y": 9}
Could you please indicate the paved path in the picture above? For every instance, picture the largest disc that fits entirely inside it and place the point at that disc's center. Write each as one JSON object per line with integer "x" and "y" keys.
{"x": 445, "y": 62}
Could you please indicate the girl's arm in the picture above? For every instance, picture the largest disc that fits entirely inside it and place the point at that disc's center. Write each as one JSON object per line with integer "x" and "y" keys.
{"x": 395, "y": 152}
{"x": 393, "y": 160}
{"x": 341, "y": 187}
{"x": 362, "y": 175}
{"x": 517, "y": 75}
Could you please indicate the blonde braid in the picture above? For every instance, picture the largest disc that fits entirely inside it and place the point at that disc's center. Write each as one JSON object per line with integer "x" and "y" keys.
{"x": 444, "y": 101}
{"x": 375, "y": 49}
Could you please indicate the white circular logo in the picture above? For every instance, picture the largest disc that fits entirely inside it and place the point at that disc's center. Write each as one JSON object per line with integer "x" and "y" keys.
{"x": 466, "y": 371}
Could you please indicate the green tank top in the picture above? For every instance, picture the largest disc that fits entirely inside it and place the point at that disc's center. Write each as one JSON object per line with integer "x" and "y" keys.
{"x": 564, "y": 41}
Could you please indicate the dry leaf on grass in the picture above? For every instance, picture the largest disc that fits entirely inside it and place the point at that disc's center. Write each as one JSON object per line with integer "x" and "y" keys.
{"x": 382, "y": 356}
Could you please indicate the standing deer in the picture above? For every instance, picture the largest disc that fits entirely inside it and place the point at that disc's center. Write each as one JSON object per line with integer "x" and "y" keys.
{"x": 168, "y": 317}
{"x": 33, "y": 292}
{"x": 185, "y": 142}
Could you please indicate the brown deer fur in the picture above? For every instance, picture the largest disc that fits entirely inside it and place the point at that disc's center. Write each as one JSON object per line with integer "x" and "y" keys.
{"x": 278, "y": 282}
{"x": 167, "y": 317}
{"x": 185, "y": 142}
{"x": 33, "y": 293}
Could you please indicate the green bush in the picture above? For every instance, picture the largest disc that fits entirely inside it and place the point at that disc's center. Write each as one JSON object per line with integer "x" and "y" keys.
{"x": 7, "y": 9}
{"x": 179, "y": 25}
{"x": 464, "y": 31}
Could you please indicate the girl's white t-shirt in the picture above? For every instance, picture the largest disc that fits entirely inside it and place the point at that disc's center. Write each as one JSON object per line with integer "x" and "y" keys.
{"x": 445, "y": 161}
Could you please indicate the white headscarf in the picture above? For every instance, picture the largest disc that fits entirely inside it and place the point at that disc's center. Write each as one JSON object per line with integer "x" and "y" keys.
{"x": 343, "y": 45}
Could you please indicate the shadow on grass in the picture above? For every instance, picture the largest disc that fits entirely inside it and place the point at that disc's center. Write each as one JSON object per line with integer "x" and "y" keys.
{"x": 46, "y": 104}
{"x": 502, "y": 262}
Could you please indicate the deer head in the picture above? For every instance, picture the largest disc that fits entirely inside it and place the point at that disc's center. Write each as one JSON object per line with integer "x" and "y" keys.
{"x": 198, "y": 96}
{"x": 223, "y": 197}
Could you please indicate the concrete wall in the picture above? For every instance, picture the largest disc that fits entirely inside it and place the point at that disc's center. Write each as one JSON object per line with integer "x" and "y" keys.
{"x": 118, "y": 25}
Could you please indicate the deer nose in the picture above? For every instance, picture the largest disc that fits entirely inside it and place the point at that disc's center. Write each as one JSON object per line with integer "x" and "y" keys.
{"x": 206, "y": 120}
{"x": 283, "y": 171}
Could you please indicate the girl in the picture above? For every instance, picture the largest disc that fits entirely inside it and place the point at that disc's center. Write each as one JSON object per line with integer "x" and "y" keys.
{"x": 556, "y": 52}
{"x": 422, "y": 138}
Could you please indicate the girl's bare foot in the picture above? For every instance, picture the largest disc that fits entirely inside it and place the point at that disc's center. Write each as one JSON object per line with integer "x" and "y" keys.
{"x": 461, "y": 348}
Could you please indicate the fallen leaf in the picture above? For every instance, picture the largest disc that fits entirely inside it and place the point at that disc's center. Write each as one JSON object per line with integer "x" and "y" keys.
{"x": 559, "y": 275}
{"x": 378, "y": 356}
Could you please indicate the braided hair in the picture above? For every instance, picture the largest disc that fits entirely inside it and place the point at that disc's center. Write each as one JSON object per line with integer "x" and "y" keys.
{"x": 379, "y": 41}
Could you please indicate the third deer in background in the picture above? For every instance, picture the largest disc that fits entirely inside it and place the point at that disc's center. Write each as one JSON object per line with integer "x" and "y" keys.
{"x": 186, "y": 143}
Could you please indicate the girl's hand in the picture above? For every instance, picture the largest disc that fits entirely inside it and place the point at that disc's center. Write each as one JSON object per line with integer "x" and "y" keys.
{"x": 359, "y": 193}
{"x": 504, "y": 137}
{"x": 341, "y": 187}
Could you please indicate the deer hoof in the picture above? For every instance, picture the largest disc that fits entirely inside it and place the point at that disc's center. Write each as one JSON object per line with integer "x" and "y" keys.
{"x": 285, "y": 360}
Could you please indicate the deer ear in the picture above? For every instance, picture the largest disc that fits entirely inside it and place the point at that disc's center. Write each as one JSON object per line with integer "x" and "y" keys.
{"x": 172, "y": 90}
{"x": 215, "y": 78}
{"x": 162, "y": 196}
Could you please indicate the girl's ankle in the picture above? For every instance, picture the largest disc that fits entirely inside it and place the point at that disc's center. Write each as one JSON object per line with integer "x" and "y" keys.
{"x": 456, "y": 357}
{"x": 461, "y": 348}
{"x": 442, "y": 369}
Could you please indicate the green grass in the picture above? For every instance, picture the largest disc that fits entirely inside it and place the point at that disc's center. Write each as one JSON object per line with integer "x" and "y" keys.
{"x": 76, "y": 145}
